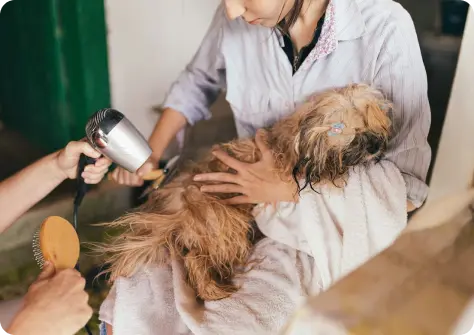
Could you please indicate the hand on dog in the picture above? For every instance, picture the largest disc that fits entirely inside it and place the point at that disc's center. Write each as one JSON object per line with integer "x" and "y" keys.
{"x": 258, "y": 182}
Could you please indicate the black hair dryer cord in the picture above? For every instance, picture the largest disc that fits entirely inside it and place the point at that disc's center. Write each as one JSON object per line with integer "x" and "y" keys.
{"x": 81, "y": 191}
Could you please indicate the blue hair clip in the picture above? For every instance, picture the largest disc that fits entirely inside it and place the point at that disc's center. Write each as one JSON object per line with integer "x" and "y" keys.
{"x": 336, "y": 129}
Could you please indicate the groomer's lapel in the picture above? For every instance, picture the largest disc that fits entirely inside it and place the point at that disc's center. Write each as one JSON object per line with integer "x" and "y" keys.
{"x": 343, "y": 21}
{"x": 350, "y": 23}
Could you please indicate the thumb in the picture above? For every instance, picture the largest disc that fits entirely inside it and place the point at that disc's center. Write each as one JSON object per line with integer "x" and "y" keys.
{"x": 74, "y": 150}
{"x": 89, "y": 151}
{"x": 260, "y": 141}
{"x": 146, "y": 168}
{"x": 47, "y": 272}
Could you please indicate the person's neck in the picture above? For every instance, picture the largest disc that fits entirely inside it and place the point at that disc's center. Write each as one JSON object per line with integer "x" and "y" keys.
{"x": 302, "y": 32}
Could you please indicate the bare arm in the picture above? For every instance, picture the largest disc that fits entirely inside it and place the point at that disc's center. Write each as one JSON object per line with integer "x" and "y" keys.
{"x": 170, "y": 123}
{"x": 27, "y": 187}
{"x": 24, "y": 189}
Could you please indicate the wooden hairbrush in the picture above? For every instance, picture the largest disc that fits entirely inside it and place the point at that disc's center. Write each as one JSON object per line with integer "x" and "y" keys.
{"x": 56, "y": 241}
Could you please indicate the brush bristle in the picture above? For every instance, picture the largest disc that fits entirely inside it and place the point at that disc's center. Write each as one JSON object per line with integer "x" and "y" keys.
{"x": 37, "y": 253}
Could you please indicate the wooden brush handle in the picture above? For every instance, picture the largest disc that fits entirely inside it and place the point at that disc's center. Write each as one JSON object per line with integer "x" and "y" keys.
{"x": 152, "y": 175}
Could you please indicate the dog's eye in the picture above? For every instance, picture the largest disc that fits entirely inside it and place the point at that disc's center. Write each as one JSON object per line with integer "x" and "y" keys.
{"x": 185, "y": 251}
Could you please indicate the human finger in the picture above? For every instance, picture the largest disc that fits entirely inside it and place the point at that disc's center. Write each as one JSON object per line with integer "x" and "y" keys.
{"x": 92, "y": 180}
{"x": 103, "y": 162}
{"x": 238, "y": 200}
{"x": 222, "y": 188}
{"x": 135, "y": 180}
{"x": 146, "y": 168}
{"x": 218, "y": 177}
{"x": 73, "y": 278}
{"x": 122, "y": 177}
{"x": 115, "y": 174}
{"x": 92, "y": 169}
{"x": 93, "y": 177}
{"x": 47, "y": 271}
{"x": 262, "y": 145}
{"x": 74, "y": 149}
{"x": 127, "y": 177}
{"x": 229, "y": 161}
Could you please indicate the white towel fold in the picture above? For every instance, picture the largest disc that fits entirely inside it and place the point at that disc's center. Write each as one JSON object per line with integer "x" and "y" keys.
{"x": 309, "y": 246}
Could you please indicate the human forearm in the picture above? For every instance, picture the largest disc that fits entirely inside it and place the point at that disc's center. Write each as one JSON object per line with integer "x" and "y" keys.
{"x": 20, "y": 325}
{"x": 170, "y": 123}
{"x": 196, "y": 88}
{"x": 21, "y": 191}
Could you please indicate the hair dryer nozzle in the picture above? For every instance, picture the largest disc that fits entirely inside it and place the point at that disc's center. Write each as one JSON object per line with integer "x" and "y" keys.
{"x": 113, "y": 135}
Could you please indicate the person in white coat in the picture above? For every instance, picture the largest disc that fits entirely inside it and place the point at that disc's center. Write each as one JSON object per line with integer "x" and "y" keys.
{"x": 270, "y": 55}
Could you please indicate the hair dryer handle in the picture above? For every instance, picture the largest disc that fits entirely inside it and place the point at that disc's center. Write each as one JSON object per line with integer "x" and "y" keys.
{"x": 82, "y": 187}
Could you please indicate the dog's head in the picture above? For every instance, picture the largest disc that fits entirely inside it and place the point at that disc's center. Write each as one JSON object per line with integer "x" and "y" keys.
{"x": 337, "y": 130}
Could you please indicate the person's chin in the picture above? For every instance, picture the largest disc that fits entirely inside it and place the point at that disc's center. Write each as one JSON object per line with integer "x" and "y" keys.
{"x": 255, "y": 22}
{"x": 262, "y": 23}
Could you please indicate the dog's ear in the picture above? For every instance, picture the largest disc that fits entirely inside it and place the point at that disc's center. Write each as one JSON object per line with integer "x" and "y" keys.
{"x": 372, "y": 112}
{"x": 377, "y": 117}
{"x": 373, "y": 107}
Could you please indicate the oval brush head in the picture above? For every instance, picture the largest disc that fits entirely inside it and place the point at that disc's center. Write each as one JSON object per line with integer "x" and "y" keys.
{"x": 57, "y": 242}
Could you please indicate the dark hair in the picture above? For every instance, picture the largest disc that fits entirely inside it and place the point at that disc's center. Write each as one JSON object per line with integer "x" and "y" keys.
{"x": 292, "y": 16}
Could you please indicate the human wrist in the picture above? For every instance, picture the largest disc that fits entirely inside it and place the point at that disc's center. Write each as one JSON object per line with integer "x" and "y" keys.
{"x": 55, "y": 170}
{"x": 155, "y": 159}
{"x": 22, "y": 324}
{"x": 167, "y": 127}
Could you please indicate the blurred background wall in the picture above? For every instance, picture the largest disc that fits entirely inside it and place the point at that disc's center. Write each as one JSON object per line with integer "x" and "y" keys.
{"x": 150, "y": 42}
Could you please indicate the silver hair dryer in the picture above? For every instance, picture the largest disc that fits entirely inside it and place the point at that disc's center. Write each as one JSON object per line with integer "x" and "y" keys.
{"x": 114, "y": 136}
{"x": 110, "y": 133}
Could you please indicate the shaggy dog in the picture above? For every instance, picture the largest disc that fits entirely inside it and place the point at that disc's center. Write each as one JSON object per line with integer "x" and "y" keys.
{"x": 319, "y": 143}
